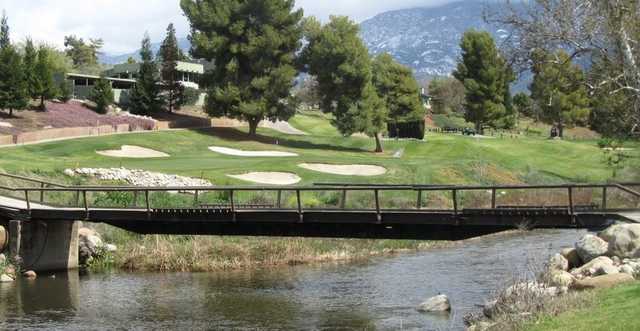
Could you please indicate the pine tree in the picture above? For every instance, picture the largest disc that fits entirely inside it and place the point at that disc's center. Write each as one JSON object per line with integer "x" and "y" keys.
{"x": 399, "y": 89}
{"x": 559, "y": 91}
{"x": 102, "y": 95}
{"x": 485, "y": 77}
{"x": 45, "y": 86}
{"x": 145, "y": 96}
{"x": 170, "y": 54}
{"x": 339, "y": 60}
{"x": 253, "y": 45}
{"x": 13, "y": 93}
{"x": 30, "y": 61}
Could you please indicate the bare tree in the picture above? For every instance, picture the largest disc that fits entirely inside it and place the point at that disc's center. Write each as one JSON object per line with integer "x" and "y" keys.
{"x": 595, "y": 31}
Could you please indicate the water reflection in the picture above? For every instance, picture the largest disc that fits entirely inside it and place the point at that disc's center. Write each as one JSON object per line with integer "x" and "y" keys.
{"x": 380, "y": 295}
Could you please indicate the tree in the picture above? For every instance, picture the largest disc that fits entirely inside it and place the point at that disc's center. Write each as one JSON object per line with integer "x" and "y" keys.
{"x": 524, "y": 105}
{"x": 131, "y": 60}
{"x": 13, "y": 92}
{"x": 44, "y": 87}
{"x": 145, "y": 96}
{"x": 339, "y": 60}
{"x": 102, "y": 95}
{"x": 600, "y": 34}
{"x": 30, "y": 62}
{"x": 448, "y": 96}
{"x": 559, "y": 91}
{"x": 399, "y": 90}
{"x": 484, "y": 74}
{"x": 82, "y": 53}
{"x": 253, "y": 45}
{"x": 170, "y": 54}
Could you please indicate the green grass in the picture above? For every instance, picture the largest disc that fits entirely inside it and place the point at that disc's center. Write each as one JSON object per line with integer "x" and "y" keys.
{"x": 614, "y": 309}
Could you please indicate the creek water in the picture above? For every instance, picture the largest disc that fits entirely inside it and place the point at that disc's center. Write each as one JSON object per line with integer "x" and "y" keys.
{"x": 377, "y": 295}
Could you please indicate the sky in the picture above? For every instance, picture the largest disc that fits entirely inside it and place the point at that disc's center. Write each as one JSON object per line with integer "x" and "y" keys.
{"x": 121, "y": 23}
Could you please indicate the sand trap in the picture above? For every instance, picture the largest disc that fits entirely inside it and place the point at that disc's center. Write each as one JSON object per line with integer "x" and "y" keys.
{"x": 622, "y": 149}
{"x": 5, "y": 125}
{"x": 345, "y": 170}
{"x": 269, "y": 178}
{"x": 237, "y": 152}
{"x": 134, "y": 152}
{"x": 282, "y": 126}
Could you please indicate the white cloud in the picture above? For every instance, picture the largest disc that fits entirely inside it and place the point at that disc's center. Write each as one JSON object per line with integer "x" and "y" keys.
{"x": 121, "y": 23}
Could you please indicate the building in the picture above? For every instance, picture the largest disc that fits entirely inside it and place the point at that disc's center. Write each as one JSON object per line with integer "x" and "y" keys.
{"x": 82, "y": 85}
{"x": 189, "y": 73}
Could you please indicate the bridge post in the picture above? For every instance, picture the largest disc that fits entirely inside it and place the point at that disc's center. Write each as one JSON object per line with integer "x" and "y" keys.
{"x": 44, "y": 246}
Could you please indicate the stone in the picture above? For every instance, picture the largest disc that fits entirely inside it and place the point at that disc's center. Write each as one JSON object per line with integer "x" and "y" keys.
{"x": 616, "y": 261}
{"x": 3, "y": 258}
{"x": 627, "y": 269}
{"x": 89, "y": 245}
{"x": 603, "y": 282}
{"x": 69, "y": 172}
{"x": 558, "y": 262}
{"x": 601, "y": 265}
{"x": 571, "y": 254}
{"x": 489, "y": 308}
{"x": 4, "y": 278}
{"x": 561, "y": 278}
{"x": 482, "y": 326}
{"x": 439, "y": 303}
{"x": 623, "y": 240}
{"x": 29, "y": 274}
{"x": 591, "y": 247}
{"x": 10, "y": 270}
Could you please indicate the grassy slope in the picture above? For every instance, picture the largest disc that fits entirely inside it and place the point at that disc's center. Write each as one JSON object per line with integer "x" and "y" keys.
{"x": 615, "y": 309}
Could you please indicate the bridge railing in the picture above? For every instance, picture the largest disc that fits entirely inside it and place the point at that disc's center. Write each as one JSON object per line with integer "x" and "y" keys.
{"x": 374, "y": 198}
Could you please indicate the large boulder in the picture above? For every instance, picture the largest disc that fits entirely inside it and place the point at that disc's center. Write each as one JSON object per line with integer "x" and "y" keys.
{"x": 560, "y": 278}
{"x": 599, "y": 266}
{"x": 90, "y": 245}
{"x": 4, "y": 278}
{"x": 590, "y": 247}
{"x": 623, "y": 240}
{"x": 4, "y": 238}
{"x": 602, "y": 282}
{"x": 571, "y": 254}
{"x": 439, "y": 303}
{"x": 558, "y": 263}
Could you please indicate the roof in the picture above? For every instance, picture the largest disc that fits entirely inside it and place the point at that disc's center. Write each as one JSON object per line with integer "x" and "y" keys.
{"x": 75, "y": 75}
{"x": 197, "y": 68}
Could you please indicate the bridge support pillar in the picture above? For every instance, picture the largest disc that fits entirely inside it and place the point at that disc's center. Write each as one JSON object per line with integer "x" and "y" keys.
{"x": 44, "y": 246}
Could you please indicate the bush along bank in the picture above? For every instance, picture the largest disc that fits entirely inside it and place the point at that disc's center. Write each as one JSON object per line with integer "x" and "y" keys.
{"x": 596, "y": 262}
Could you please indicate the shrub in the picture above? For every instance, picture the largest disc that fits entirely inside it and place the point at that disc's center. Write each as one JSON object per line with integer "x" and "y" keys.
{"x": 191, "y": 96}
{"x": 102, "y": 95}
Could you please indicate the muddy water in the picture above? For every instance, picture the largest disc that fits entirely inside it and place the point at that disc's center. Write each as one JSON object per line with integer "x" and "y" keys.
{"x": 378, "y": 295}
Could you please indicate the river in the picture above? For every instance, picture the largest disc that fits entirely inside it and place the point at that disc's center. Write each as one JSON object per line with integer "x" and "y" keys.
{"x": 377, "y": 295}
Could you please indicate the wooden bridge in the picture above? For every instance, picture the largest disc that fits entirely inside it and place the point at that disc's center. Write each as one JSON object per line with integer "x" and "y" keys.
{"x": 420, "y": 212}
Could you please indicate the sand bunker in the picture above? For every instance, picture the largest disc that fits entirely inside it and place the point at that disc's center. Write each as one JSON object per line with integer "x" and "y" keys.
{"x": 133, "y": 152}
{"x": 237, "y": 152}
{"x": 345, "y": 170}
{"x": 6, "y": 125}
{"x": 269, "y": 178}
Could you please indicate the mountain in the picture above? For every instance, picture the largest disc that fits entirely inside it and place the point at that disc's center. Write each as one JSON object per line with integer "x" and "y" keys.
{"x": 426, "y": 39}
{"x": 108, "y": 59}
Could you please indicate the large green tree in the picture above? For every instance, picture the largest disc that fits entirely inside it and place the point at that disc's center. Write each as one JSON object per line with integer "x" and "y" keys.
{"x": 340, "y": 61}
{"x": 448, "y": 96}
{"x": 83, "y": 54}
{"x": 30, "y": 61}
{"x": 169, "y": 54}
{"x": 397, "y": 86}
{"x": 485, "y": 76}
{"x": 146, "y": 98}
{"x": 253, "y": 45}
{"x": 559, "y": 90}
{"x": 44, "y": 87}
{"x": 13, "y": 92}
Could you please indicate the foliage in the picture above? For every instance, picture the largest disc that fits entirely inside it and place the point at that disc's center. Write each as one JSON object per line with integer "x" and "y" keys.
{"x": 170, "y": 53}
{"x": 102, "y": 95}
{"x": 339, "y": 60}
{"x": 44, "y": 87}
{"x": 13, "y": 91}
{"x": 486, "y": 77}
{"x": 559, "y": 91}
{"x": 307, "y": 92}
{"x": 614, "y": 154}
{"x": 65, "y": 92}
{"x": 190, "y": 96}
{"x": 30, "y": 62}
{"x": 253, "y": 45}
{"x": 399, "y": 89}
{"x": 524, "y": 105}
{"x": 145, "y": 96}
{"x": 4, "y": 31}
{"x": 447, "y": 96}
{"x": 83, "y": 54}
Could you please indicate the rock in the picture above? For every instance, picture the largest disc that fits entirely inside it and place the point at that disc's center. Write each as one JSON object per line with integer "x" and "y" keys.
{"x": 3, "y": 258}
{"x": 29, "y": 274}
{"x": 438, "y": 303}
{"x": 561, "y": 278}
{"x": 599, "y": 266}
{"x": 571, "y": 254}
{"x": 89, "y": 245}
{"x": 623, "y": 240}
{"x": 602, "y": 282}
{"x": 591, "y": 247}
{"x": 616, "y": 261}
{"x": 489, "y": 308}
{"x": 10, "y": 270}
{"x": 69, "y": 172}
{"x": 4, "y": 278}
{"x": 558, "y": 262}
{"x": 628, "y": 269}
{"x": 481, "y": 326}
